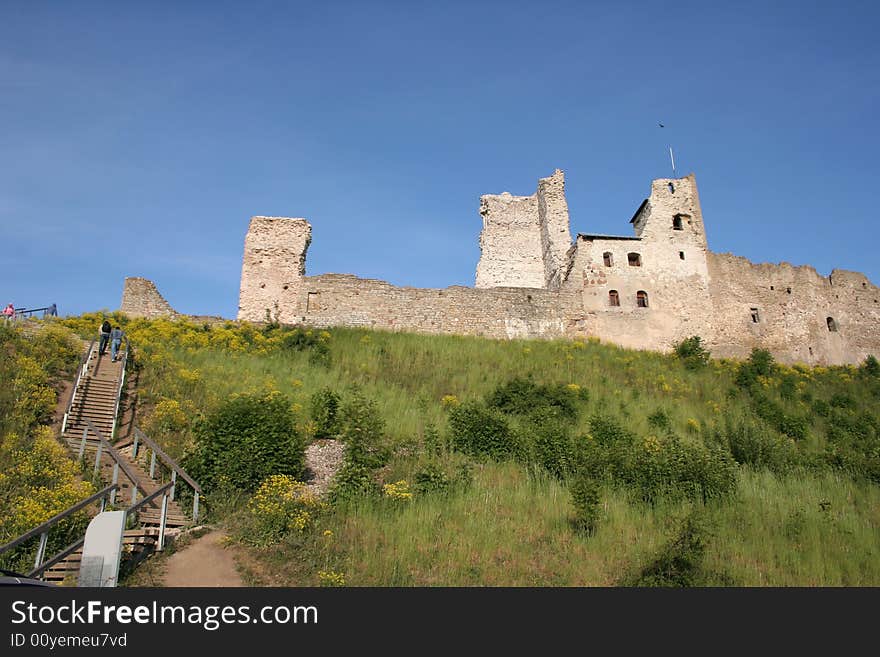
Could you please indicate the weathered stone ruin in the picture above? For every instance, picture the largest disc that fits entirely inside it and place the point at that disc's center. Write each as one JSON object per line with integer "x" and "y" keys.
{"x": 646, "y": 291}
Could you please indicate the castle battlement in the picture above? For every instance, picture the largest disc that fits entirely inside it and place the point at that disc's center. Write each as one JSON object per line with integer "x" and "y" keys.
{"x": 647, "y": 290}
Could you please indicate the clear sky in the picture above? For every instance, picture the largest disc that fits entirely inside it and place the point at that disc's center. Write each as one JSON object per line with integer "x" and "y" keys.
{"x": 137, "y": 139}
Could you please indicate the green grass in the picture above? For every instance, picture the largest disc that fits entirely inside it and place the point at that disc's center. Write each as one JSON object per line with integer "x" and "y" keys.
{"x": 804, "y": 511}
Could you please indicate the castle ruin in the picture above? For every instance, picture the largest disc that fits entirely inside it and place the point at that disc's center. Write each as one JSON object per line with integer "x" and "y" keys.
{"x": 647, "y": 290}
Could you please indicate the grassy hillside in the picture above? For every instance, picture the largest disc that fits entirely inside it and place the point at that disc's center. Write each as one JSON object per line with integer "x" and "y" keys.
{"x": 465, "y": 453}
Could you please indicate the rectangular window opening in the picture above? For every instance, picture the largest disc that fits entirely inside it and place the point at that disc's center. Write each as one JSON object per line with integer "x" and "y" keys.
{"x": 756, "y": 317}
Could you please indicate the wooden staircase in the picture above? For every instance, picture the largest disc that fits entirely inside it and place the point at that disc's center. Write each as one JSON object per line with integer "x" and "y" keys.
{"x": 93, "y": 414}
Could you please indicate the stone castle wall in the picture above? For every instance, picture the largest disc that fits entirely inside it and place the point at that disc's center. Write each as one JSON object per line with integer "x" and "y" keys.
{"x": 533, "y": 282}
{"x": 141, "y": 298}
{"x": 792, "y": 306}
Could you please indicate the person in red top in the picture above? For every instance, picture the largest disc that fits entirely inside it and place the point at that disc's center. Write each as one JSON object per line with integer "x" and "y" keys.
{"x": 9, "y": 312}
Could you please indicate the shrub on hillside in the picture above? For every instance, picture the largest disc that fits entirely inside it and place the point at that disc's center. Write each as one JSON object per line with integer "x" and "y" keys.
{"x": 362, "y": 429}
{"x": 547, "y": 435}
{"x": 482, "y": 432}
{"x": 585, "y": 500}
{"x": 325, "y": 407}
{"x": 247, "y": 439}
{"x": 692, "y": 353}
{"x": 756, "y": 446}
{"x": 760, "y": 363}
{"x": 871, "y": 366}
{"x": 363, "y": 432}
{"x": 679, "y": 563}
{"x": 652, "y": 467}
{"x": 524, "y": 396}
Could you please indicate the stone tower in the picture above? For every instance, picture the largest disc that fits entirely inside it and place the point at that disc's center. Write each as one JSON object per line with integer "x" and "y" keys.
{"x": 525, "y": 239}
{"x": 273, "y": 267}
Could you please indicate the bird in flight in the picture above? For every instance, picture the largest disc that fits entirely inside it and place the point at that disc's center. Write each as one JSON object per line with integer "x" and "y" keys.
{"x": 661, "y": 125}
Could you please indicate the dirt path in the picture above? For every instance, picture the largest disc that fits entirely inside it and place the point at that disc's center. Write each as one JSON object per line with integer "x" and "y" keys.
{"x": 205, "y": 562}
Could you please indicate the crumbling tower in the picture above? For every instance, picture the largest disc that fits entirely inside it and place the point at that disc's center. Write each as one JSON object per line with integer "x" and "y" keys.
{"x": 525, "y": 239}
{"x": 272, "y": 269}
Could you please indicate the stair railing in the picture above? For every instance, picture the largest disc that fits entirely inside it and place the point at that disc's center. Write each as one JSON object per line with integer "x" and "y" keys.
{"x": 176, "y": 471}
{"x": 119, "y": 389}
{"x": 40, "y": 563}
{"x": 81, "y": 372}
{"x": 118, "y": 462}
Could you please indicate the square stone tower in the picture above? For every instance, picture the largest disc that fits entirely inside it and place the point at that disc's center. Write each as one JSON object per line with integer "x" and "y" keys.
{"x": 272, "y": 269}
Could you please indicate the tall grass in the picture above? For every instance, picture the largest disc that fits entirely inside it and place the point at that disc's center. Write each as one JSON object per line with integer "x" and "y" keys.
{"x": 804, "y": 511}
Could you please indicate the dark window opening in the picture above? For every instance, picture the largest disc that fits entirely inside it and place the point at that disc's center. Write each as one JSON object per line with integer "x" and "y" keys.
{"x": 676, "y": 222}
{"x": 788, "y": 289}
{"x": 286, "y": 286}
{"x": 681, "y": 254}
{"x": 671, "y": 188}
{"x": 832, "y": 325}
{"x": 642, "y": 299}
{"x": 613, "y": 298}
{"x": 811, "y": 350}
{"x": 771, "y": 287}
{"x": 756, "y": 317}
{"x": 608, "y": 259}
{"x": 634, "y": 259}
{"x": 528, "y": 297}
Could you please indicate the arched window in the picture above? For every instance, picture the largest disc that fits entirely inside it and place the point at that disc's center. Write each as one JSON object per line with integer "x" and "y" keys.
{"x": 613, "y": 298}
{"x": 832, "y": 325}
{"x": 634, "y": 259}
{"x": 608, "y": 258}
{"x": 642, "y": 299}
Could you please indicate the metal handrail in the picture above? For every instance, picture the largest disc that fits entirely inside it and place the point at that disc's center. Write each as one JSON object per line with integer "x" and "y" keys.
{"x": 120, "y": 464}
{"x": 70, "y": 549}
{"x": 41, "y": 566}
{"x": 119, "y": 388}
{"x": 54, "y": 520}
{"x": 171, "y": 464}
{"x": 28, "y": 311}
{"x": 81, "y": 372}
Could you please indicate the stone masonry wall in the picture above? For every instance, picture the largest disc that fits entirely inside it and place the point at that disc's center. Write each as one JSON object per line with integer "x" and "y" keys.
{"x": 554, "y": 225}
{"x": 525, "y": 239}
{"x": 140, "y": 298}
{"x": 272, "y": 269}
{"x": 793, "y": 306}
{"x": 510, "y": 243}
{"x": 345, "y": 300}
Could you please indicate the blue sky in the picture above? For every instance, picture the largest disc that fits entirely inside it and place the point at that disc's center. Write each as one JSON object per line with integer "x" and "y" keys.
{"x": 137, "y": 139}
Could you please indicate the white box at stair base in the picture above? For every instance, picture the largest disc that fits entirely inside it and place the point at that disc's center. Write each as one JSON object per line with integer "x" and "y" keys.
{"x": 102, "y": 550}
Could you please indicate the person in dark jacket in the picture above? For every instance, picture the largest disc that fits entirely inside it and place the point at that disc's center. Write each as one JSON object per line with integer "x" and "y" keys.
{"x": 115, "y": 342}
{"x": 105, "y": 336}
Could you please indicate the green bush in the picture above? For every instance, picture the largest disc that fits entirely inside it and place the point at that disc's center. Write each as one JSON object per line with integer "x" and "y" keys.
{"x": 692, "y": 353}
{"x": 247, "y": 439}
{"x": 653, "y": 468}
{"x": 363, "y": 432}
{"x": 481, "y": 432}
{"x": 870, "y": 366}
{"x": 756, "y": 446}
{"x": 585, "y": 500}
{"x": 549, "y": 435}
{"x": 325, "y": 413}
{"x": 680, "y": 562}
{"x": 659, "y": 419}
{"x": 760, "y": 363}
{"x": 524, "y": 396}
